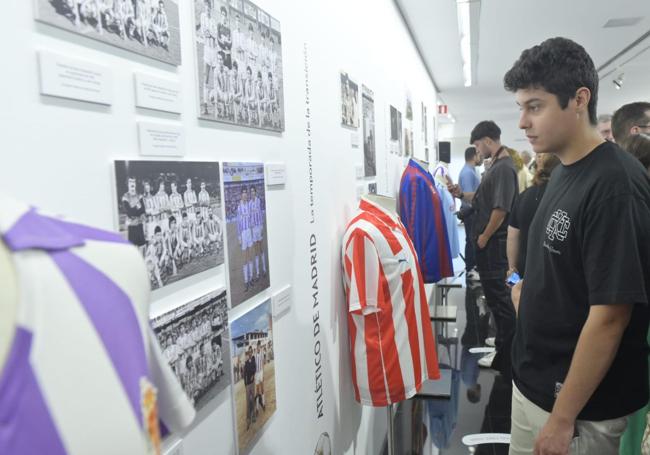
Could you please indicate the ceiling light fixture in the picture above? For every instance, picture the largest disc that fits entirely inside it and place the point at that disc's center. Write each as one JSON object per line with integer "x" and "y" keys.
{"x": 618, "y": 82}
{"x": 464, "y": 27}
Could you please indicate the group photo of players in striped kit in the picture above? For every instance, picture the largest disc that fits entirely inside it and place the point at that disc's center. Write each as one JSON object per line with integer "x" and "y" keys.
{"x": 149, "y": 27}
{"x": 245, "y": 203}
{"x": 195, "y": 340}
{"x": 239, "y": 57}
{"x": 172, "y": 212}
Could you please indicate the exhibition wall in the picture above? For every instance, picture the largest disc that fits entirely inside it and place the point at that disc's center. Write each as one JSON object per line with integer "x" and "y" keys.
{"x": 59, "y": 156}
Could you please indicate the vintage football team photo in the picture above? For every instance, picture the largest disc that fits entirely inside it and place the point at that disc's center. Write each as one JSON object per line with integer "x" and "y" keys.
{"x": 349, "y": 102}
{"x": 369, "y": 144}
{"x": 253, "y": 372}
{"x": 245, "y": 200}
{"x": 171, "y": 210}
{"x": 239, "y": 58}
{"x": 195, "y": 340}
{"x": 147, "y": 27}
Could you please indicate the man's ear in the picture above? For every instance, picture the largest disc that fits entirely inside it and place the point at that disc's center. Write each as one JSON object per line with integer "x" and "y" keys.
{"x": 582, "y": 99}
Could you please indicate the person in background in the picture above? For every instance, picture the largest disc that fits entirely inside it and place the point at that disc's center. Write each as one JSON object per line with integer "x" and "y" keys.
{"x": 493, "y": 201}
{"x": 631, "y": 443}
{"x": 523, "y": 213}
{"x": 529, "y": 162}
{"x": 604, "y": 127}
{"x": 469, "y": 180}
{"x": 580, "y": 355}
{"x": 631, "y": 119}
{"x": 639, "y": 146}
{"x": 524, "y": 177}
{"x": 250, "y": 369}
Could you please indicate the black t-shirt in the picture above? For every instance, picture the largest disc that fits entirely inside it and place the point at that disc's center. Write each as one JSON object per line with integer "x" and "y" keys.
{"x": 589, "y": 244}
{"x": 521, "y": 218}
{"x": 498, "y": 190}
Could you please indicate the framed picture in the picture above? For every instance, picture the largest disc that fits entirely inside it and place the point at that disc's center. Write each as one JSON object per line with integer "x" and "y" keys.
{"x": 369, "y": 142}
{"x": 239, "y": 60}
{"x": 195, "y": 340}
{"x": 146, "y": 27}
{"x": 246, "y": 232}
{"x": 253, "y": 363}
{"x": 171, "y": 210}
{"x": 349, "y": 102}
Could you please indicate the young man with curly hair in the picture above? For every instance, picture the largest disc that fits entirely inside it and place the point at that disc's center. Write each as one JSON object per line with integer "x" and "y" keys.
{"x": 580, "y": 352}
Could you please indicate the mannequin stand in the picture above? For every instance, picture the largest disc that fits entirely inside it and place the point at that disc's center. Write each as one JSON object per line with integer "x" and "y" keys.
{"x": 391, "y": 430}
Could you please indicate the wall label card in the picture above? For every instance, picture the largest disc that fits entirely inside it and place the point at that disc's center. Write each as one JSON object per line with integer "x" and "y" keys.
{"x": 282, "y": 300}
{"x": 161, "y": 139}
{"x": 276, "y": 174}
{"x": 354, "y": 139}
{"x": 157, "y": 93}
{"x": 75, "y": 79}
{"x": 358, "y": 170}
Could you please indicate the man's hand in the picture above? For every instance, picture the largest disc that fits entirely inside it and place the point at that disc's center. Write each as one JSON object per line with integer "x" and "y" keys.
{"x": 454, "y": 190}
{"x": 482, "y": 241}
{"x": 555, "y": 437}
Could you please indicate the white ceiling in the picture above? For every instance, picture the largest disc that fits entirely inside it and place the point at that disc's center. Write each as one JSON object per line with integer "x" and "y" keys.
{"x": 507, "y": 27}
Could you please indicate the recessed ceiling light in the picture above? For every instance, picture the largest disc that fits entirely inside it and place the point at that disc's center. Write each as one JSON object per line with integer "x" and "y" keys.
{"x": 623, "y": 22}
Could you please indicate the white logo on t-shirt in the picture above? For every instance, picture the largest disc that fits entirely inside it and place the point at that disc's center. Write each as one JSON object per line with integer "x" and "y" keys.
{"x": 558, "y": 226}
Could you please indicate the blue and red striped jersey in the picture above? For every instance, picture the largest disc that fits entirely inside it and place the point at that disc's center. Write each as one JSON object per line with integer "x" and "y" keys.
{"x": 421, "y": 211}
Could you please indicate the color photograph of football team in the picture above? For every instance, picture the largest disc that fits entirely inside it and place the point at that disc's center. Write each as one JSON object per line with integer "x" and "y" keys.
{"x": 246, "y": 234}
{"x": 147, "y": 27}
{"x": 195, "y": 340}
{"x": 171, "y": 211}
{"x": 253, "y": 364}
{"x": 239, "y": 58}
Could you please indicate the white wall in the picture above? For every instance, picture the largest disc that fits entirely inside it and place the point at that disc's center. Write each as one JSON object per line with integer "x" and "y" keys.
{"x": 57, "y": 155}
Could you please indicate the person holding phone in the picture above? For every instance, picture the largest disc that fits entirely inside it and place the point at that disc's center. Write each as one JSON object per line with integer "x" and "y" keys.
{"x": 522, "y": 216}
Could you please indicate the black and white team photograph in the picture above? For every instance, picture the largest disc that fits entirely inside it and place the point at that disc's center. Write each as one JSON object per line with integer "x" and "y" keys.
{"x": 171, "y": 210}
{"x": 395, "y": 131}
{"x": 239, "y": 58}
{"x": 147, "y": 27}
{"x": 246, "y": 234}
{"x": 369, "y": 144}
{"x": 195, "y": 340}
{"x": 349, "y": 102}
{"x": 253, "y": 363}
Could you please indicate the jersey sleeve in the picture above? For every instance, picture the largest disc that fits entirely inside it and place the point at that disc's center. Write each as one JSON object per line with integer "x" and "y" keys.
{"x": 613, "y": 242}
{"x": 362, "y": 268}
{"x": 175, "y": 409}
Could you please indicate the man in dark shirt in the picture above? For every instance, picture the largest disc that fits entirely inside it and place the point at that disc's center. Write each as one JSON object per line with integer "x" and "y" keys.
{"x": 492, "y": 202}
{"x": 580, "y": 352}
{"x": 250, "y": 368}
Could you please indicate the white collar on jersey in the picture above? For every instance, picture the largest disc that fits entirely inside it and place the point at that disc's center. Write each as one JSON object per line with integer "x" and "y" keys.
{"x": 367, "y": 204}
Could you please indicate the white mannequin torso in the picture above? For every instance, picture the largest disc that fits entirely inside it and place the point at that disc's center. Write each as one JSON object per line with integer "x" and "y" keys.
{"x": 8, "y": 302}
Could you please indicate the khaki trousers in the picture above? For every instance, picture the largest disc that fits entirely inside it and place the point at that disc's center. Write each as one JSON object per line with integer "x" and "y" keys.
{"x": 594, "y": 438}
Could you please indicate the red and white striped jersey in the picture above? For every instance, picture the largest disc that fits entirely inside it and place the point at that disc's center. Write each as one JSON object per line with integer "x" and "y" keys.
{"x": 392, "y": 347}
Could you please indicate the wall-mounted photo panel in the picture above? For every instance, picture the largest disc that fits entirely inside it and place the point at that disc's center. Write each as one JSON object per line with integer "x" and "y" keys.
{"x": 396, "y": 131}
{"x": 349, "y": 102}
{"x": 147, "y": 27}
{"x": 239, "y": 59}
{"x": 171, "y": 210}
{"x": 195, "y": 340}
{"x": 246, "y": 234}
{"x": 369, "y": 143}
{"x": 253, "y": 372}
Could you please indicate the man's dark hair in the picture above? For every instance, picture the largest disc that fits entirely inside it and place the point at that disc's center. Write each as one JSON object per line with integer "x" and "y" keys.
{"x": 559, "y": 66}
{"x": 486, "y": 128}
{"x": 470, "y": 153}
{"x": 627, "y": 117}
